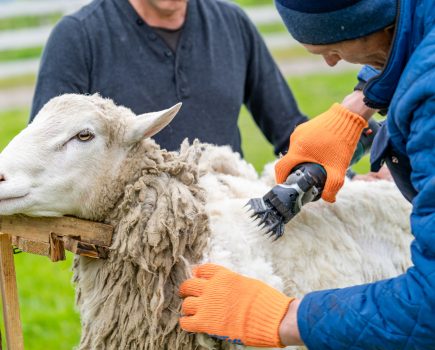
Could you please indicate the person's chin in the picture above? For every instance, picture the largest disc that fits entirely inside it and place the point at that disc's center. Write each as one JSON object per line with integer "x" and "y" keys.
{"x": 170, "y": 8}
{"x": 171, "y": 4}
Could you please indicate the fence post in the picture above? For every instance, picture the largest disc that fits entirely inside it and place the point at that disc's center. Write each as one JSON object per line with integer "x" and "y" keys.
{"x": 8, "y": 281}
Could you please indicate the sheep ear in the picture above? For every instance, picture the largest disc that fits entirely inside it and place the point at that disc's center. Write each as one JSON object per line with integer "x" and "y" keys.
{"x": 149, "y": 124}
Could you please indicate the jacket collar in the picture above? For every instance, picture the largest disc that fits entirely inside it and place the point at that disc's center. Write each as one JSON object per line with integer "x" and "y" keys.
{"x": 380, "y": 90}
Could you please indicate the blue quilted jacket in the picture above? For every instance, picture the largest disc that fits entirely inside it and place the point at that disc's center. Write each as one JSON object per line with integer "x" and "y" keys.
{"x": 397, "y": 313}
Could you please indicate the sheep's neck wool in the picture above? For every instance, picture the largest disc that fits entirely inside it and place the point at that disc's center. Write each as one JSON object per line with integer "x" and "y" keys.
{"x": 157, "y": 209}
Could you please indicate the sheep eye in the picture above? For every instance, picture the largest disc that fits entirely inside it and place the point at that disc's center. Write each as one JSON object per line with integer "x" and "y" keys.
{"x": 85, "y": 135}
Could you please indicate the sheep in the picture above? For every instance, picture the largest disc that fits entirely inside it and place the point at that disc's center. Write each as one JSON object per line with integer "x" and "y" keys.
{"x": 84, "y": 156}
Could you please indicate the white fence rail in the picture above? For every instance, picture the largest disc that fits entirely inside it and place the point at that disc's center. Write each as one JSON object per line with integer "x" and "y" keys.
{"x": 35, "y": 8}
{"x": 23, "y": 38}
{"x": 35, "y": 37}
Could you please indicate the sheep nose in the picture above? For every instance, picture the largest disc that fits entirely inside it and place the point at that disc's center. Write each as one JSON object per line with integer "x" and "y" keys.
{"x": 2, "y": 178}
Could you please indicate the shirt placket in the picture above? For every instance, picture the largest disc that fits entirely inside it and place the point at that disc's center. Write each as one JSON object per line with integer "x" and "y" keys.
{"x": 160, "y": 48}
{"x": 181, "y": 68}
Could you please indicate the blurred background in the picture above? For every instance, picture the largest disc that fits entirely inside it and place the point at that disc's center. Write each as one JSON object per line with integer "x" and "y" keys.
{"x": 46, "y": 292}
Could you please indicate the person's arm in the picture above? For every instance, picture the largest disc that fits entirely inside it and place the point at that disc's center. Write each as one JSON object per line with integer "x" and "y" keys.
{"x": 65, "y": 64}
{"x": 397, "y": 313}
{"x": 288, "y": 329}
{"x": 267, "y": 94}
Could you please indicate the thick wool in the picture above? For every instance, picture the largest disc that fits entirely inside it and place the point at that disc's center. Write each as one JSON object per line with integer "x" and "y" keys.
{"x": 186, "y": 208}
{"x": 131, "y": 301}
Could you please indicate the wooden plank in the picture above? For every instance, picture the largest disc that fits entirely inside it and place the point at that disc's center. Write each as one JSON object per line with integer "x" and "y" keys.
{"x": 39, "y": 229}
{"x": 8, "y": 281}
{"x": 57, "y": 249}
{"x": 85, "y": 249}
{"x": 70, "y": 244}
{"x": 32, "y": 247}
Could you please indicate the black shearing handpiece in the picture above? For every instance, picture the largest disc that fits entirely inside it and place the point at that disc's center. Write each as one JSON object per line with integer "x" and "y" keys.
{"x": 305, "y": 184}
{"x": 282, "y": 203}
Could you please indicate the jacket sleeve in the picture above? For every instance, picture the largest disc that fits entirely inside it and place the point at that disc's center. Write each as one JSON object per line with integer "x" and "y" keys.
{"x": 398, "y": 313}
{"x": 65, "y": 64}
{"x": 267, "y": 94}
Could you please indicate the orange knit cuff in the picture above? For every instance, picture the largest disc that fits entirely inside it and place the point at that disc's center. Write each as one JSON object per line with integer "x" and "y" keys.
{"x": 264, "y": 320}
{"x": 345, "y": 124}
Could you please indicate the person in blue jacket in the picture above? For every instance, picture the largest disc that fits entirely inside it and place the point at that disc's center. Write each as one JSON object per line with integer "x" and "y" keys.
{"x": 396, "y": 39}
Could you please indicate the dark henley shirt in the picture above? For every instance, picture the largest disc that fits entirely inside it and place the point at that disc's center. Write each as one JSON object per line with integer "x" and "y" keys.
{"x": 220, "y": 63}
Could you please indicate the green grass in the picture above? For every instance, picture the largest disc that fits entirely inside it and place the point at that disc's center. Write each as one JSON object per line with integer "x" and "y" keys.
{"x": 21, "y": 22}
{"x": 20, "y": 54}
{"x": 45, "y": 291}
{"x": 290, "y": 53}
{"x": 11, "y": 123}
{"x": 275, "y": 27}
{"x": 17, "y": 81}
{"x": 47, "y": 303}
{"x": 251, "y": 3}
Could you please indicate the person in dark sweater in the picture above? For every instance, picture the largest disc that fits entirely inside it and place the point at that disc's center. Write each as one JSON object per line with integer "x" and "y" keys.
{"x": 150, "y": 54}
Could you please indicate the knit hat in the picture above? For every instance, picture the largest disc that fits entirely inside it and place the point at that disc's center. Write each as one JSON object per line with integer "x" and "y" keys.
{"x": 319, "y": 22}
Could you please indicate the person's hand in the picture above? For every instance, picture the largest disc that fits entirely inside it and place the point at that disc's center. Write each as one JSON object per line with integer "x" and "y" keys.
{"x": 382, "y": 174}
{"x": 231, "y": 307}
{"x": 329, "y": 140}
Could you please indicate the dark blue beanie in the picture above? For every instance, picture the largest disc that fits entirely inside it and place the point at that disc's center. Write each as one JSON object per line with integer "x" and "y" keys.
{"x": 320, "y": 22}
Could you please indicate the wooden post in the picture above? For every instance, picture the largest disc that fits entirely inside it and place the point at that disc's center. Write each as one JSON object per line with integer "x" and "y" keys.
{"x": 48, "y": 237}
{"x": 8, "y": 281}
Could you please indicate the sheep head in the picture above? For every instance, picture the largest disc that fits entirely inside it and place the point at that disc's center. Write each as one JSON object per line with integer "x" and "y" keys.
{"x": 53, "y": 167}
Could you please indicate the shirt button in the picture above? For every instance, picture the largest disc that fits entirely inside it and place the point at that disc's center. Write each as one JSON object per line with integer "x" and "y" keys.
{"x": 168, "y": 53}
{"x": 152, "y": 36}
{"x": 139, "y": 22}
{"x": 395, "y": 160}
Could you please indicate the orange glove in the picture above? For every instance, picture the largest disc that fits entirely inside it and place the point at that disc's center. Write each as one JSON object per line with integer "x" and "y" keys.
{"x": 231, "y": 307}
{"x": 330, "y": 140}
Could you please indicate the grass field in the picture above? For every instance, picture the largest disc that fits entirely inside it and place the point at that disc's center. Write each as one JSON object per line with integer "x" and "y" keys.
{"x": 46, "y": 293}
{"x": 20, "y": 22}
{"x": 20, "y": 54}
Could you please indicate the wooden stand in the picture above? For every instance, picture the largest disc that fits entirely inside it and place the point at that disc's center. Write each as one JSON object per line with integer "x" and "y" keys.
{"x": 11, "y": 314}
{"x": 43, "y": 236}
